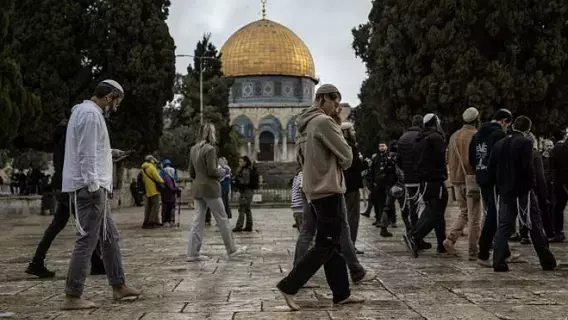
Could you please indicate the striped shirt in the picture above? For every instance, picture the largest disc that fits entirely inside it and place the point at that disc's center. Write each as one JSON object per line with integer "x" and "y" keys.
{"x": 297, "y": 201}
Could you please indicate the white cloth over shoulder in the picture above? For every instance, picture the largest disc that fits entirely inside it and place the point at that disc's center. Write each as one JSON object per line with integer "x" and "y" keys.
{"x": 88, "y": 156}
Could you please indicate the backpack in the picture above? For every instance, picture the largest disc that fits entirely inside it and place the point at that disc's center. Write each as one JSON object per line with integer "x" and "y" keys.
{"x": 140, "y": 182}
{"x": 254, "y": 179}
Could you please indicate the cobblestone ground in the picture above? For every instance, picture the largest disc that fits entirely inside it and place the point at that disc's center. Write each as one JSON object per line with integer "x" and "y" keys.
{"x": 430, "y": 287}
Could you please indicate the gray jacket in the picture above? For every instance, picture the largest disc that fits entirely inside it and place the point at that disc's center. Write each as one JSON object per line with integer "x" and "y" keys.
{"x": 205, "y": 171}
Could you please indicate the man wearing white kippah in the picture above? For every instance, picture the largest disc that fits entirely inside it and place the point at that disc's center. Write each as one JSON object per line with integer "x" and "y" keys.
{"x": 87, "y": 177}
{"x": 462, "y": 177}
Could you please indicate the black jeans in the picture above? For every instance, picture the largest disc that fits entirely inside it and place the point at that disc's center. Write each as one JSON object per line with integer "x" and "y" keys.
{"x": 60, "y": 218}
{"x": 489, "y": 224}
{"x": 325, "y": 252}
{"x": 410, "y": 212}
{"x": 389, "y": 212}
{"x": 560, "y": 200}
{"x": 433, "y": 218}
{"x": 529, "y": 210}
{"x": 379, "y": 199}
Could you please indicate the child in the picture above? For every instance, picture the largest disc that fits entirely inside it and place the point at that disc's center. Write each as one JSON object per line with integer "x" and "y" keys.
{"x": 297, "y": 199}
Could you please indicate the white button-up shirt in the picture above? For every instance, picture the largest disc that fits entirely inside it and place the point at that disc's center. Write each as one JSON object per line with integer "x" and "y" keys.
{"x": 88, "y": 156}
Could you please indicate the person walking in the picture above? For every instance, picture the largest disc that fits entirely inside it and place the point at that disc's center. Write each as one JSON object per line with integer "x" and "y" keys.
{"x": 87, "y": 176}
{"x": 324, "y": 156}
{"x": 432, "y": 173}
{"x": 381, "y": 176}
{"x": 169, "y": 194}
{"x": 405, "y": 160}
{"x": 353, "y": 183}
{"x": 153, "y": 184}
{"x": 559, "y": 165}
{"x": 61, "y": 214}
{"x": 206, "y": 173}
{"x": 297, "y": 203}
{"x": 480, "y": 148}
{"x": 467, "y": 195}
{"x": 549, "y": 198}
{"x": 511, "y": 169}
{"x": 243, "y": 181}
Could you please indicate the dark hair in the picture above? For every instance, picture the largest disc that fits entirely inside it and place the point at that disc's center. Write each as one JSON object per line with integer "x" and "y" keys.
{"x": 559, "y": 135}
{"x": 417, "y": 121}
{"x": 103, "y": 89}
{"x": 247, "y": 161}
{"x": 503, "y": 114}
{"x": 523, "y": 124}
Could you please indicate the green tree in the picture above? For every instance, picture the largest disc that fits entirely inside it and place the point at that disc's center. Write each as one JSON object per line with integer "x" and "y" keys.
{"x": 444, "y": 56}
{"x": 14, "y": 99}
{"x": 215, "y": 98}
{"x": 52, "y": 40}
{"x": 138, "y": 52}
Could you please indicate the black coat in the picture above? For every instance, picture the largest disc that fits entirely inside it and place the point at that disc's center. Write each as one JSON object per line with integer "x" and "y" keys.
{"x": 431, "y": 156}
{"x": 353, "y": 180}
{"x": 559, "y": 163}
{"x": 406, "y": 155}
{"x": 480, "y": 148}
{"x": 511, "y": 166}
{"x": 382, "y": 172}
{"x": 59, "y": 136}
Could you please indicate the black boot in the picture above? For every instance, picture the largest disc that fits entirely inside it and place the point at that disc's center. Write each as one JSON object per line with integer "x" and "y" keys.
{"x": 40, "y": 271}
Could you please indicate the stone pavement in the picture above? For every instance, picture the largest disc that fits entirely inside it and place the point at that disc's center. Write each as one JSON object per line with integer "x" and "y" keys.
{"x": 430, "y": 287}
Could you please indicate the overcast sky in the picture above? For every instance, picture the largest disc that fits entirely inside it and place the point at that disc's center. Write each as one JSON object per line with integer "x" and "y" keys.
{"x": 324, "y": 26}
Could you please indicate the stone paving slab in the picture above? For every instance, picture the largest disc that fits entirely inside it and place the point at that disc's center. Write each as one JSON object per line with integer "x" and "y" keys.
{"x": 430, "y": 287}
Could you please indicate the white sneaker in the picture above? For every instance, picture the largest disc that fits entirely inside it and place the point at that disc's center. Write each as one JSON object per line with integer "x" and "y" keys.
{"x": 238, "y": 252}
{"x": 369, "y": 276}
{"x": 514, "y": 257}
{"x": 166, "y": 225}
{"x": 198, "y": 258}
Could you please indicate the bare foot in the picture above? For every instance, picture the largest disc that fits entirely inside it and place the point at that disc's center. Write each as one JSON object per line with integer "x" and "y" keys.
{"x": 123, "y": 292}
{"x": 76, "y": 303}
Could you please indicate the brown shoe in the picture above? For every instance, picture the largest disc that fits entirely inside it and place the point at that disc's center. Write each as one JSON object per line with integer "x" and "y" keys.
{"x": 450, "y": 249}
{"x": 124, "y": 292}
{"x": 352, "y": 300}
{"x": 76, "y": 303}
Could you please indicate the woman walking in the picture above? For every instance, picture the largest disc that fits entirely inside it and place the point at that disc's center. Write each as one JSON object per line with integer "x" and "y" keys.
{"x": 206, "y": 174}
{"x": 243, "y": 184}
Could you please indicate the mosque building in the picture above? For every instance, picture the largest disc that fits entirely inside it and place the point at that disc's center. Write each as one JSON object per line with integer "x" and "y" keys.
{"x": 274, "y": 80}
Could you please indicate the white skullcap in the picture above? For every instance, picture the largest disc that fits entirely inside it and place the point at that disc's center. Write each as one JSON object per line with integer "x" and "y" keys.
{"x": 346, "y": 125}
{"x": 114, "y": 84}
{"x": 428, "y": 118}
{"x": 470, "y": 114}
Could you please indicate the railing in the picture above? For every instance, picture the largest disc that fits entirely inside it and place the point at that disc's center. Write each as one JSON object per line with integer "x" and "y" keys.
{"x": 267, "y": 194}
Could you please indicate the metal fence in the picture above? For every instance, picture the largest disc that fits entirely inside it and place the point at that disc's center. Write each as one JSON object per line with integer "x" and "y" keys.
{"x": 272, "y": 195}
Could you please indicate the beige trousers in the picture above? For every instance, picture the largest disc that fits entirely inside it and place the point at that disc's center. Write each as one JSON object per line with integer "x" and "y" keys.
{"x": 470, "y": 215}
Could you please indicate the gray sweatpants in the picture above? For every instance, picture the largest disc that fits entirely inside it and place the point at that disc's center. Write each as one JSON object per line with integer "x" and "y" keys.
{"x": 217, "y": 209}
{"x": 92, "y": 213}
{"x": 347, "y": 249}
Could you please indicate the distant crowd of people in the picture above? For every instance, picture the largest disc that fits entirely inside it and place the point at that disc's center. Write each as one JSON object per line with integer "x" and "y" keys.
{"x": 29, "y": 182}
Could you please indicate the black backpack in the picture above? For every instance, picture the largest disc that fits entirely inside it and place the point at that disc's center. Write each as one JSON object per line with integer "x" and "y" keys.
{"x": 254, "y": 179}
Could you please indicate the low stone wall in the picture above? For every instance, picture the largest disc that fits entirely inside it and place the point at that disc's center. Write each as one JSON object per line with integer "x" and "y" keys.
{"x": 20, "y": 205}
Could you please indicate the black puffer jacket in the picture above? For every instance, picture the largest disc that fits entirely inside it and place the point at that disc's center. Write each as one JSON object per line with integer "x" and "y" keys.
{"x": 480, "y": 148}
{"x": 431, "y": 156}
{"x": 405, "y": 158}
{"x": 59, "y": 136}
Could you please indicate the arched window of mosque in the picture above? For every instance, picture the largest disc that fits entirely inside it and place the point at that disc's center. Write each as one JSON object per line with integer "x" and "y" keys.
{"x": 244, "y": 127}
{"x": 272, "y": 124}
{"x": 291, "y": 129}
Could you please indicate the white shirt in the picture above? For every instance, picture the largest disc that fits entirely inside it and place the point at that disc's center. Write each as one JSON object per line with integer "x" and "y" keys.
{"x": 88, "y": 156}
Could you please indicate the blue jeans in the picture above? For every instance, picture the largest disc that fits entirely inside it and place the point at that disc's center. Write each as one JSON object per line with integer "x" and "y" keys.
{"x": 347, "y": 249}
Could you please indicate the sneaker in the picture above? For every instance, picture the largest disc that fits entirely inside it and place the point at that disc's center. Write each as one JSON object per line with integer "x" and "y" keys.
{"x": 237, "y": 230}
{"x": 73, "y": 303}
{"x": 311, "y": 285}
{"x": 526, "y": 241}
{"x": 238, "y": 252}
{"x": 290, "y": 301}
{"x": 351, "y": 300}
{"x": 450, "y": 248}
{"x": 124, "y": 293}
{"x": 40, "y": 271}
{"x": 514, "y": 257}
{"x": 166, "y": 225}
{"x": 357, "y": 251}
{"x": 385, "y": 233}
{"x": 369, "y": 276}
{"x": 198, "y": 258}
{"x": 484, "y": 263}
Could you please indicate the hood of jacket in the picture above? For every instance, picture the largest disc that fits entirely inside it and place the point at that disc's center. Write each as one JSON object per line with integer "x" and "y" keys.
{"x": 303, "y": 120}
{"x": 488, "y": 128}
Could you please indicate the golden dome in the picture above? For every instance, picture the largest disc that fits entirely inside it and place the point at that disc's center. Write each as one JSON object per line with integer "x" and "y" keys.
{"x": 266, "y": 47}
